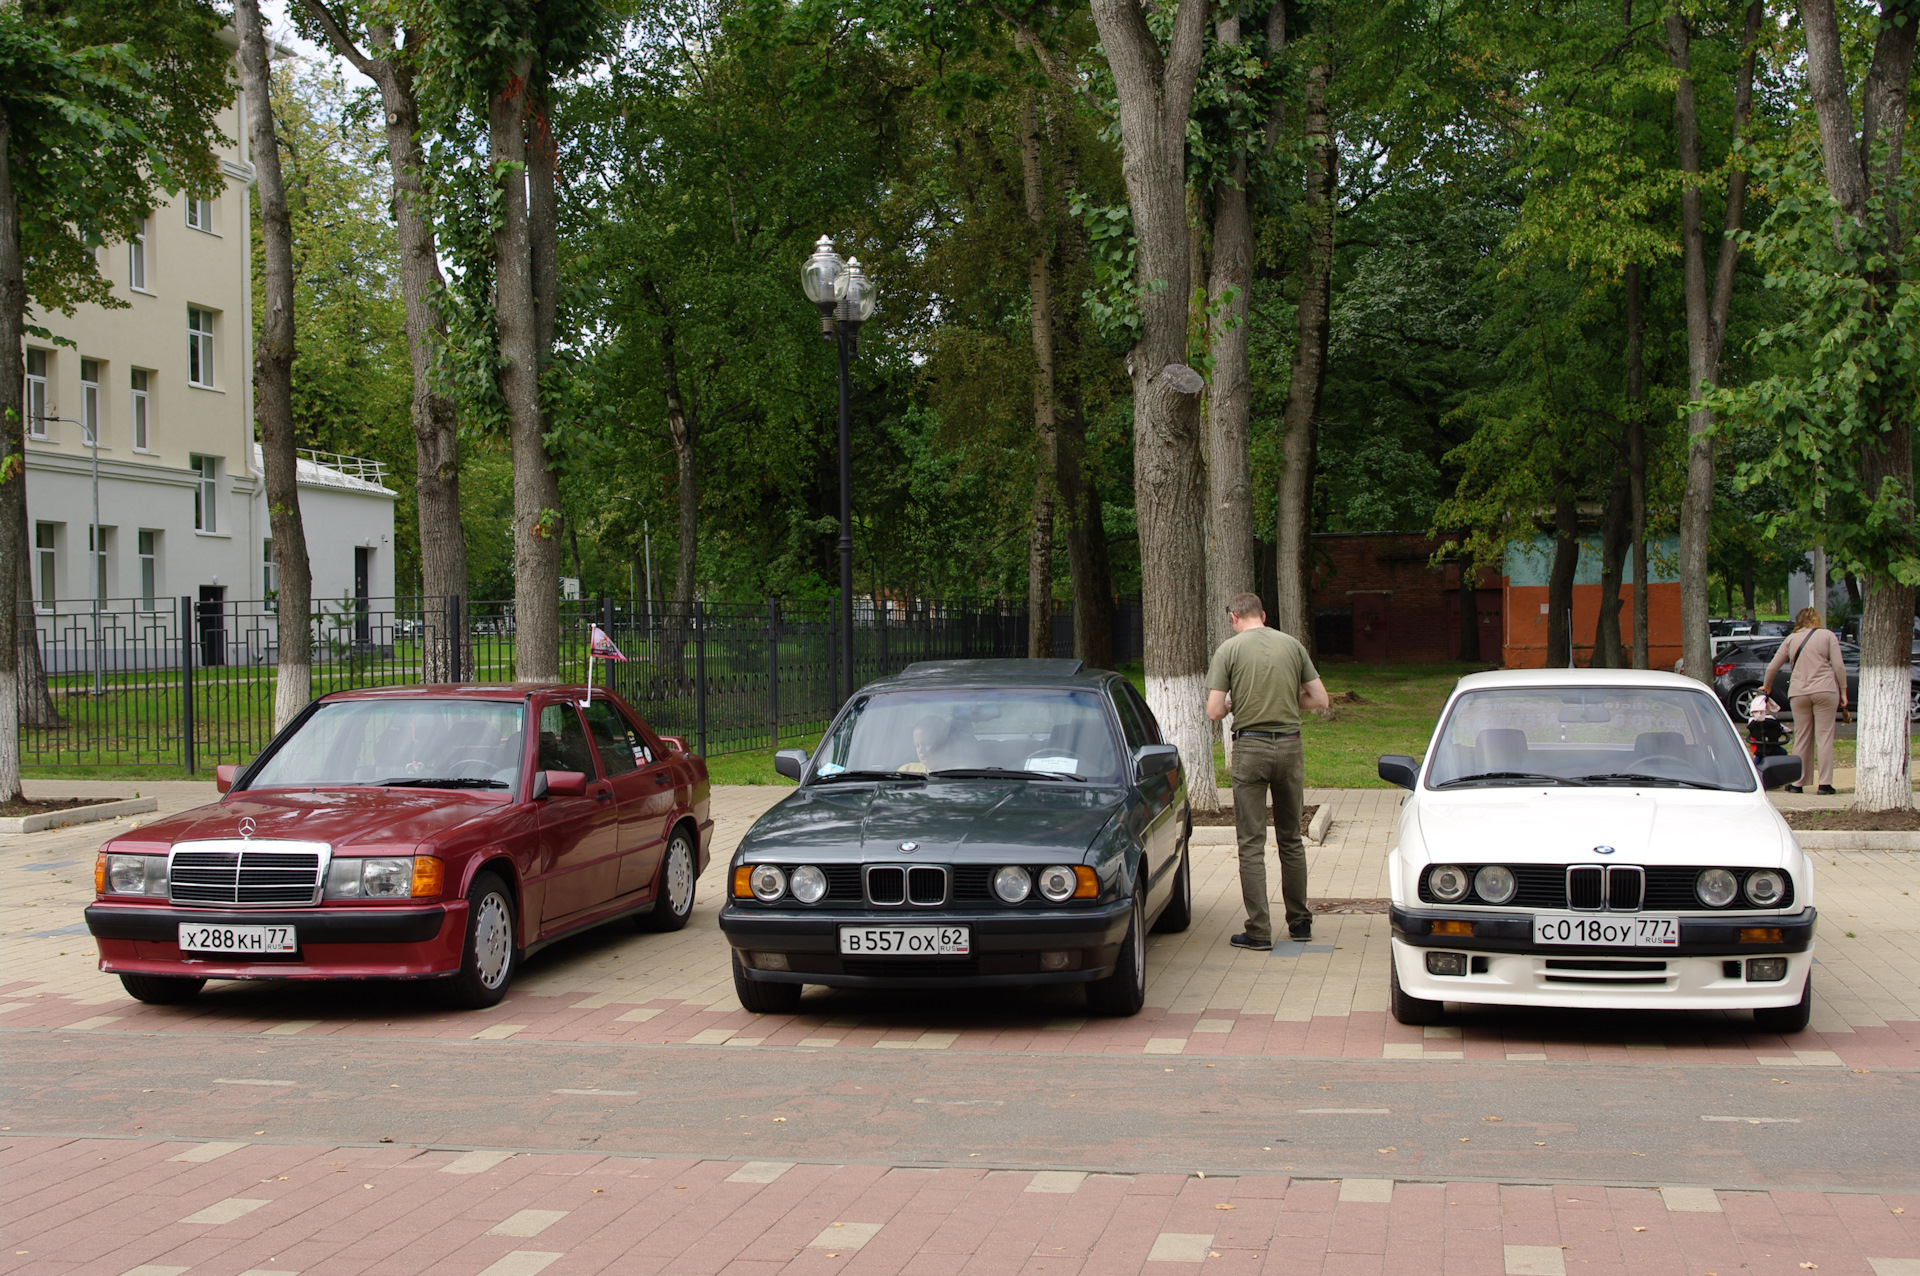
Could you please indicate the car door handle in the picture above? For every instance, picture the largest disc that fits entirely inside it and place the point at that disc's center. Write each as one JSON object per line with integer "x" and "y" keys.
{"x": 663, "y": 779}
{"x": 604, "y": 795}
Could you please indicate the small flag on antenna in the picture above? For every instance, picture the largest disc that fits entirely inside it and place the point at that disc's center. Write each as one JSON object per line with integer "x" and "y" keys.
{"x": 601, "y": 647}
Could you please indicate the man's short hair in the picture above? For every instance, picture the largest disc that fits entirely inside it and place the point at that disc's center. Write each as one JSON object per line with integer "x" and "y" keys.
{"x": 1246, "y": 606}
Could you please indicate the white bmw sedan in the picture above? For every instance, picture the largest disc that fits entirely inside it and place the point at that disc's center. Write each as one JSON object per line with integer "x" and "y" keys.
{"x": 1596, "y": 838}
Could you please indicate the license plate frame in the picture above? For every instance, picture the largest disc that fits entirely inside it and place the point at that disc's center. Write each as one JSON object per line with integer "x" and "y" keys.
{"x": 225, "y": 940}
{"x": 907, "y": 940}
{"x": 1606, "y": 930}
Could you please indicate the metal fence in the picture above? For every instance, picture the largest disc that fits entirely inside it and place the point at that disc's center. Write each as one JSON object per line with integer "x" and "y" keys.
{"x": 160, "y": 683}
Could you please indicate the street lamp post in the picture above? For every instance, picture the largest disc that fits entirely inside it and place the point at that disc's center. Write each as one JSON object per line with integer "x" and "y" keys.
{"x": 845, "y": 299}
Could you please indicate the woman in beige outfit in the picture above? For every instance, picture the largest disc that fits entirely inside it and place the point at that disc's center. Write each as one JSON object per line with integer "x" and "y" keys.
{"x": 1818, "y": 681}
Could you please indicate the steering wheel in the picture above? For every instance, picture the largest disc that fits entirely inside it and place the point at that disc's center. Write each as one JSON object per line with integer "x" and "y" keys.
{"x": 1685, "y": 765}
{"x": 481, "y": 764}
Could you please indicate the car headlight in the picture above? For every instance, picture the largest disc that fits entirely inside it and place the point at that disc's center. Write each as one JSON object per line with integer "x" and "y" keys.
{"x": 1716, "y": 887}
{"x": 768, "y": 883}
{"x": 809, "y": 884}
{"x": 1058, "y": 882}
{"x": 1448, "y": 882}
{"x": 133, "y": 875}
{"x": 1494, "y": 884}
{"x": 1766, "y": 888}
{"x": 1012, "y": 884}
{"x": 385, "y": 877}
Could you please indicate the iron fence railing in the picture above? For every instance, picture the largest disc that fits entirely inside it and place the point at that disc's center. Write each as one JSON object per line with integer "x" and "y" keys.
{"x": 190, "y": 682}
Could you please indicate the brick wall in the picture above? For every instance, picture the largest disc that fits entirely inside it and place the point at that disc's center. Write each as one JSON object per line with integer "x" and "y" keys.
{"x": 1406, "y": 608}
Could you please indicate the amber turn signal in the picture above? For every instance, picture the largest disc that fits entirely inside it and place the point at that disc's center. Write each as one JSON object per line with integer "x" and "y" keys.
{"x": 1759, "y": 934}
{"x": 429, "y": 873}
{"x": 100, "y": 873}
{"x": 1086, "y": 883}
{"x": 1452, "y": 928}
{"x": 742, "y": 882}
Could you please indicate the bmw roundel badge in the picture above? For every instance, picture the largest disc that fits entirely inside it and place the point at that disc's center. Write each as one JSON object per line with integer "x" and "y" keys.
{"x": 1603, "y": 850}
{"x": 909, "y": 847}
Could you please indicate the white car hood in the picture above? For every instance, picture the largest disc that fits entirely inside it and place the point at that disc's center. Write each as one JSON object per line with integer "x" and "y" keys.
{"x": 1562, "y": 826}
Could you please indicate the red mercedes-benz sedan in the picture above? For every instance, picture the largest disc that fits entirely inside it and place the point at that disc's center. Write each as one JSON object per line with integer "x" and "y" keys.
{"x": 432, "y": 832}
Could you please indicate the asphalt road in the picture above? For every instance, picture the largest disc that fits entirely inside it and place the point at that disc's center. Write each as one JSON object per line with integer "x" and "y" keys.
{"x": 1721, "y": 1125}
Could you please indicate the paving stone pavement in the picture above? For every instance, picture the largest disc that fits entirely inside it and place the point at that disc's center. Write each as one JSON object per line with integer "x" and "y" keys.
{"x": 1324, "y": 998}
{"x": 97, "y": 1207}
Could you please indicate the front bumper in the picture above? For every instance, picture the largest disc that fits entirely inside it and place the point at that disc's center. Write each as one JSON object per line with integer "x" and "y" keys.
{"x": 1705, "y": 971}
{"x": 1006, "y": 946}
{"x": 398, "y": 942}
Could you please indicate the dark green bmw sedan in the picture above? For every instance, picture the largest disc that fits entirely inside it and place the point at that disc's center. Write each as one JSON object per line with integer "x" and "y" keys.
{"x": 968, "y": 823}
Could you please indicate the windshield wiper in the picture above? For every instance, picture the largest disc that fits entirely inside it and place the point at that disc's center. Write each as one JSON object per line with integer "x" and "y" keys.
{"x": 1511, "y": 775}
{"x": 456, "y": 782}
{"x": 866, "y": 775}
{"x": 1002, "y": 773}
{"x": 1637, "y": 777}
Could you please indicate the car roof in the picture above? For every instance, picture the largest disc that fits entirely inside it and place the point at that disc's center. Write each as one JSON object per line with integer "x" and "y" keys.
{"x": 1497, "y": 678}
{"x": 461, "y": 691}
{"x": 993, "y": 673}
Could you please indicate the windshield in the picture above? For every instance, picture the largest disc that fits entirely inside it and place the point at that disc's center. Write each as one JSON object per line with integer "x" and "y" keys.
{"x": 1038, "y": 732}
{"x": 1643, "y": 735}
{"x": 469, "y": 743}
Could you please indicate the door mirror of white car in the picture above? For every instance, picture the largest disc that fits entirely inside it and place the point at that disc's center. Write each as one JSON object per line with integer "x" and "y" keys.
{"x": 790, "y": 762}
{"x": 1399, "y": 768}
{"x": 1155, "y": 759}
{"x": 1775, "y": 772}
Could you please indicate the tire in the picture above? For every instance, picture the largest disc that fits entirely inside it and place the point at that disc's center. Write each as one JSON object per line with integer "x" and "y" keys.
{"x": 1741, "y": 701}
{"x": 764, "y": 998}
{"x": 1178, "y": 914}
{"x": 1786, "y": 1019}
{"x": 489, "y": 956}
{"x": 1415, "y": 1012}
{"x": 673, "y": 889}
{"x": 162, "y": 990}
{"x": 1124, "y": 992}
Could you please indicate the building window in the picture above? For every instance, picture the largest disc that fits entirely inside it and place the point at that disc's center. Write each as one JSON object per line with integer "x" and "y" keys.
{"x": 200, "y": 213}
{"x": 43, "y": 534}
{"x": 146, "y": 570}
{"x": 199, "y": 347}
{"x": 140, "y": 435}
{"x": 89, "y": 402}
{"x": 205, "y": 492}
{"x": 97, "y": 547}
{"x": 269, "y": 583}
{"x": 137, "y": 258}
{"x": 36, "y": 394}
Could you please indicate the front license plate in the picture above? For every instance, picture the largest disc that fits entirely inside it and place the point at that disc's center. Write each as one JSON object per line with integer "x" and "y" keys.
{"x": 906, "y": 941}
{"x": 1605, "y": 930}
{"x": 203, "y": 937}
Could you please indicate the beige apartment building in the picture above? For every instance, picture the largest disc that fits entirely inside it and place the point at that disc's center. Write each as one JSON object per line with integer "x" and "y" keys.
{"x": 152, "y": 406}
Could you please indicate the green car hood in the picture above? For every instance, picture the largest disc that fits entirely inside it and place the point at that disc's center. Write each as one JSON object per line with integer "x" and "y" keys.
{"x": 949, "y": 822}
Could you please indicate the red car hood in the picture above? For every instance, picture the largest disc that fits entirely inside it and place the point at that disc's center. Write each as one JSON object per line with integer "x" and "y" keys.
{"x": 345, "y": 818}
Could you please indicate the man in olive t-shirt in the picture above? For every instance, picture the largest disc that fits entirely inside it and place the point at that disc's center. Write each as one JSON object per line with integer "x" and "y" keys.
{"x": 1266, "y": 679}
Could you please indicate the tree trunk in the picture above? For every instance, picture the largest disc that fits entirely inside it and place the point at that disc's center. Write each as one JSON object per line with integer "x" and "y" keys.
{"x": 1046, "y": 446}
{"x": 536, "y": 516}
{"x": 1469, "y": 611}
{"x": 684, "y": 432}
{"x": 1637, "y": 458}
{"x": 1566, "y": 558}
{"x": 1746, "y": 587}
{"x": 1884, "y": 778}
{"x": 1155, "y": 94}
{"x": 273, "y": 380}
{"x": 1706, "y": 327}
{"x": 1608, "y": 651}
{"x": 1293, "y": 542}
{"x": 13, "y": 467}
{"x": 436, "y": 426}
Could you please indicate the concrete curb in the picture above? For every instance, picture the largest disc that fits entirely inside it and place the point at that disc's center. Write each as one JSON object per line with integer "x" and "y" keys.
{"x": 79, "y": 815}
{"x": 1841, "y": 840}
{"x": 1317, "y": 827}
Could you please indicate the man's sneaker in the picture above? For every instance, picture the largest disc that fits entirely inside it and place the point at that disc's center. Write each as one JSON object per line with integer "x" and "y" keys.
{"x": 1826, "y": 790}
{"x": 1243, "y": 940}
{"x": 1301, "y": 933}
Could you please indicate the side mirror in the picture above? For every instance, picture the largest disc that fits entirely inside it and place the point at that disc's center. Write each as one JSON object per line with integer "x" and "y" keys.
{"x": 675, "y": 744}
{"x": 790, "y": 762}
{"x": 1400, "y": 769}
{"x": 1155, "y": 759}
{"x": 1775, "y": 772}
{"x": 224, "y": 775}
{"x": 548, "y": 784}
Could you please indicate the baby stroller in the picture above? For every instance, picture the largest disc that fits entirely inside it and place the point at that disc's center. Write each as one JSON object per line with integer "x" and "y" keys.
{"x": 1767, "y": 736}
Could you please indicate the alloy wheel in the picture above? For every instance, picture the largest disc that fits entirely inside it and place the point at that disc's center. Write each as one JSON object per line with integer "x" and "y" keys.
{"x": 492, "y": 941}
{"x": 679, "y": 876}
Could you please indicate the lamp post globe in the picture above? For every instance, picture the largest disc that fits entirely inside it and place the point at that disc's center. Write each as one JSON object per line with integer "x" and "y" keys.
{"x": 855, "y": 294}
{"x": 820, "y": 274}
